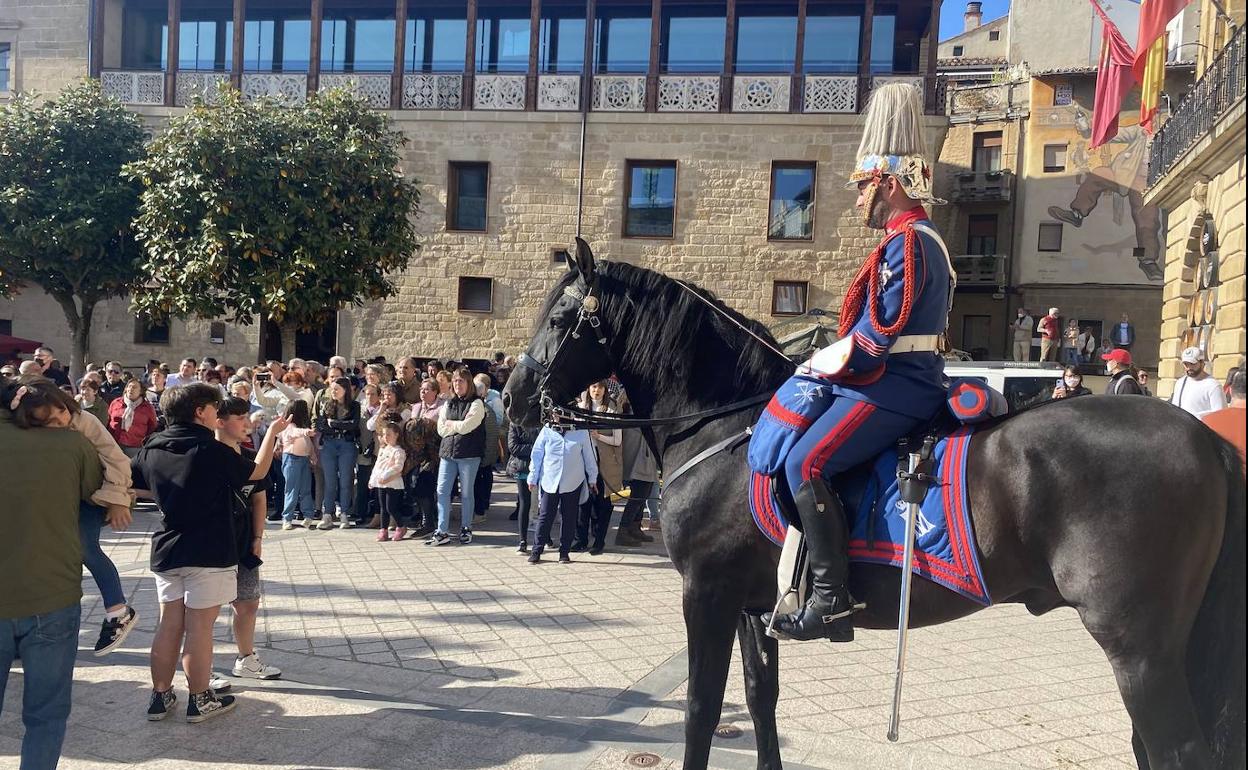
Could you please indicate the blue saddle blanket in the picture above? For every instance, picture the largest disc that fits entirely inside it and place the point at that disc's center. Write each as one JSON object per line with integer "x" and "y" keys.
{"x": 945, "y": 551}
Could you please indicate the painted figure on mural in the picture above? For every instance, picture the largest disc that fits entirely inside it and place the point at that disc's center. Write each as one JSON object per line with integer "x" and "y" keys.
{"x": 1124, "y": 175}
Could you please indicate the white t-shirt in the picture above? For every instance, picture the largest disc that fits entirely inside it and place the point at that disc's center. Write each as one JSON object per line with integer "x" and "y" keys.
{"x": 1199, "y": 397}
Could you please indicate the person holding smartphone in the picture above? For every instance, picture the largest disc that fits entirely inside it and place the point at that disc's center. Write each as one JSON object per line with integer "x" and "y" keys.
{"x": 1070, "y": 384}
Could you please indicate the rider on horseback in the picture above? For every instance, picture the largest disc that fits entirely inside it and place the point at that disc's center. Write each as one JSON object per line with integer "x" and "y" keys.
{"x": 885, "y": 373}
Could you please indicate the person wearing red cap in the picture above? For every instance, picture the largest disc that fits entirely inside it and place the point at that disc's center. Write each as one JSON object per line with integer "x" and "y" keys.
{"x": 1118, "y": 367}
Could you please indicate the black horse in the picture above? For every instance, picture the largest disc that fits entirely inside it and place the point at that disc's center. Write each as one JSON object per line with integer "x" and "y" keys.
{"x": 1125, "y": 508}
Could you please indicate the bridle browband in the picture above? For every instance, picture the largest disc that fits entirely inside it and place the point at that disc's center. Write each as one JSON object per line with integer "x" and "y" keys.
{"x": 574, "y": 416}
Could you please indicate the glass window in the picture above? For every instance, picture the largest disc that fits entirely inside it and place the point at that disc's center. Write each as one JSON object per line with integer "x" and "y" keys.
{"x": 692, "y": 38}
{"x": 149, "y": 332}
{"x": 5, "y": 49}
{"x": 502, "y": 36}
{"x": 957, "y": 50}
{"x": 436, "y": 38}
{"x": 144, "y": 36}
{"x": 476, "y": 295}
{"x": 561, "y": 38}
{"x": 276, "y": 40}
{"x": 1054, "y": 158}
{"x": 466, "y": 195}
{"x": 1050, "y": 238}
{"x": 994, "y": 35}
{"x": 205, "y": 44}
{"x": 622, "y": 37}
{"x": 766, "y": 38}
{"x": 650, "y": 199}
{"x": 986, "y": 151}
{"x": 792, "y": 211}
{"x": 981, "y": 234}
{"x": 788, "y": 297}
{"x": 883, "y": 43}
{"x": 833, "y": 38}
{"x": 357, "y": 38}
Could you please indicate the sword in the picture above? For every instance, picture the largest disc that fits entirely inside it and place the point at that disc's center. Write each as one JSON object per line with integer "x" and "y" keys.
{"x": 912, "y": 497}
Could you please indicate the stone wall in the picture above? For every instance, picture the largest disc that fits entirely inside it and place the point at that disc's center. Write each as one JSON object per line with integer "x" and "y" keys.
{"x": 50, "y": 38}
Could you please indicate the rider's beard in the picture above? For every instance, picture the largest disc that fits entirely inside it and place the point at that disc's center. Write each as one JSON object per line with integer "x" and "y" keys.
{"x": 877, "y": 217}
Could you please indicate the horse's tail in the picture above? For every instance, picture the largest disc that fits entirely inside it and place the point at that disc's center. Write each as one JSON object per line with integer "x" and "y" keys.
{"x": 1215, "y": 649}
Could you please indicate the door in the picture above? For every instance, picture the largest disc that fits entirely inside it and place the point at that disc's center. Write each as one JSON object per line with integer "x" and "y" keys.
{"x": 977, "y": 336}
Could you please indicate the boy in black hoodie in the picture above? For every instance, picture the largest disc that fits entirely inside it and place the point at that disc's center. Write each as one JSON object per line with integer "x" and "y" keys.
{"x": 195, "y": 552}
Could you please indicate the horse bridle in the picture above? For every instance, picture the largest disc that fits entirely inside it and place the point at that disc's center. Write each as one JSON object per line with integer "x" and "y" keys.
{"x": 590, "y": 305}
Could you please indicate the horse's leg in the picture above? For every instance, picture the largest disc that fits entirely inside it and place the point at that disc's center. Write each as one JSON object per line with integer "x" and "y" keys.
{"x": 1152, "y": 679}
{"x": 711, "y": 608}
{"x": 761, "y": 662}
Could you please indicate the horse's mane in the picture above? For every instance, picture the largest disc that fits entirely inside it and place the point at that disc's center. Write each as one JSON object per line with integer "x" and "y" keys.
{"x": 668, "y": 332}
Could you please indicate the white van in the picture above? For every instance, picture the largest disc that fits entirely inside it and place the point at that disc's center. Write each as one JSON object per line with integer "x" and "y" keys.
{"x": 1024, "y": 383}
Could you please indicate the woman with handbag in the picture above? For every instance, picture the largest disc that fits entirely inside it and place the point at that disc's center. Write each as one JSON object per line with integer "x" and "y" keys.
{"x": 595, "y": 515}
{"x": 520, "y": 446}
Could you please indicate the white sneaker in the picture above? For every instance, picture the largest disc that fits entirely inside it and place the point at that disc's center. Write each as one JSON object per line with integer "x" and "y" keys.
{"x": 219, "y": 684}
{"x": 287, "y": 526}
{"x": 327, "y": 521}
{"x": 344, "y": 521}
{"x": 251, "y": 667}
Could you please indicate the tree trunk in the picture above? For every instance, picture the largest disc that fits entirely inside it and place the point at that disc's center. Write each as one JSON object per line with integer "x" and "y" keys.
{"x": 289, "y": 331}
{"x": 79, "y": 322}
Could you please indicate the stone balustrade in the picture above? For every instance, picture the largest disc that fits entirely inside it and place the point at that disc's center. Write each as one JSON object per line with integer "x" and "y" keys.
{"x": 372, "y": 87}
{"x": 134, "y": 87}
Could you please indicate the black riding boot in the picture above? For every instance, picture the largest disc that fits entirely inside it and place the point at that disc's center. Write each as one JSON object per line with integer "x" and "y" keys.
{"x": 826, "y": 614}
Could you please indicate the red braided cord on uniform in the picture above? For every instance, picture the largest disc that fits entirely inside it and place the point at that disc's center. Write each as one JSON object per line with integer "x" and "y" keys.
{"x": 868, "y": 280}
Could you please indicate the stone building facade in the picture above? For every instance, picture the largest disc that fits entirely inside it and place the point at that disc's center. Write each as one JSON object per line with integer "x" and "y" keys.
{"x": 469, "y": 292}
{"x": 1197, "y": 171}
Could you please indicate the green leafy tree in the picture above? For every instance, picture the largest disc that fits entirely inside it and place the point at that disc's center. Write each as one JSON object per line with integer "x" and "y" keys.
{"x": 251, "y": 212}
{"x": 65, "y": 209}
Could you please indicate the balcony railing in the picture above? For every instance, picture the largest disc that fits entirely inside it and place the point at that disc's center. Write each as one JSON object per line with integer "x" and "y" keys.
{"x": 983, "y": 187}
{"x": 742, "y": 93}
{"x": 980, "y": 269}
{"x": 992, "y": 99}
{"x": 1221, "y": 87}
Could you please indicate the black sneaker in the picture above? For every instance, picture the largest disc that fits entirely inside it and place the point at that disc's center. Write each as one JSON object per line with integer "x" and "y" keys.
{"x": 206, "y": 705}
{"x": 596, "y": 550}
{"x": 114, "y": 632}
{"x": 524, "y": 547}
{"x": 536, "y": 556}
{"x": 161, "y": 705}
{"x": 577, "y": 547}
{"x": 465, "y": 536}
{"x": 438, "y": 538}
{"x": 565, "y": 559}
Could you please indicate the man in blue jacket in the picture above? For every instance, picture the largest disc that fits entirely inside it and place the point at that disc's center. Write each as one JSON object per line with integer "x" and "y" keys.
{"x": 563, "y": 465}
{"x": 885, "y": 374}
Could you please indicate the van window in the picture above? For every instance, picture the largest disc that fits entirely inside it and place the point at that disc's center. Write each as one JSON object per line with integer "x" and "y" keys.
{"x": 1022, "y": 392}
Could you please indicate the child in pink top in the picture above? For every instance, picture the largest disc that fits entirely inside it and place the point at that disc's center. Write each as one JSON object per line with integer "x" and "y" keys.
{"x": 387, "y": 479}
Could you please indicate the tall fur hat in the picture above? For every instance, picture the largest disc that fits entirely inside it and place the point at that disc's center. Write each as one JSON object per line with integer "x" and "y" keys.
{"x": 893, "y": 143}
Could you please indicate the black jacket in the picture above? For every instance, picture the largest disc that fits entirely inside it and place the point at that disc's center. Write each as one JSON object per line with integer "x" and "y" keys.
{"x": 195, "y": 480}
{"x": 1121, "y": 383}
{"x": 347, "y": 428}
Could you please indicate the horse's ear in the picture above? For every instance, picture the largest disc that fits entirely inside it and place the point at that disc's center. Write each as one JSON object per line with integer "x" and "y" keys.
{"x": 584, "y": 259}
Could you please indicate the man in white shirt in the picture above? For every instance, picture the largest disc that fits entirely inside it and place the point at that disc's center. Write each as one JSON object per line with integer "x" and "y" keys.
{"x": 185, "y": 374}
{"x": 1022, "y": 335}
{"x": 1197, "y": 392}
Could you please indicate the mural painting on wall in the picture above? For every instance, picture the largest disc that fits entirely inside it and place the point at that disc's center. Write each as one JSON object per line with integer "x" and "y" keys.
{"x": 1110, "y": 234}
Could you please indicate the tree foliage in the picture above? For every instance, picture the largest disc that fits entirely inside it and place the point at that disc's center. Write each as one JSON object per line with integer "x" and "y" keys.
{"x": 65, "y": 209}
{"x": 251, "y": 211}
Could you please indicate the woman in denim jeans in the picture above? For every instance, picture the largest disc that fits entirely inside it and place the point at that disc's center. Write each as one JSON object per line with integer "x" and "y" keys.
{"x": 339, "y": 427}
{"x": 298, "y": 454}
{"x": 462, "y": 430}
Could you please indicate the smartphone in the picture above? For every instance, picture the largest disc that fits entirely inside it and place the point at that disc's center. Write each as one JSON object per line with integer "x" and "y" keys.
{"x": 263, "y": 377}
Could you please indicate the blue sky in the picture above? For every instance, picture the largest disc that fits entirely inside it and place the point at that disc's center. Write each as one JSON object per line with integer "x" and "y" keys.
{"x": 951, "y": 14}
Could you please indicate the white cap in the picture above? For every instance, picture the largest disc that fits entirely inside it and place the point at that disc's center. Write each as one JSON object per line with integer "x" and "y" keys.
{"x": 1192, "y": 355}
{"x": 1052, "y": 311}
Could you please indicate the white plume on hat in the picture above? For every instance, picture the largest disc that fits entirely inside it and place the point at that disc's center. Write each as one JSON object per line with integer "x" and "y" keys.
{"x": 893, "y": 142}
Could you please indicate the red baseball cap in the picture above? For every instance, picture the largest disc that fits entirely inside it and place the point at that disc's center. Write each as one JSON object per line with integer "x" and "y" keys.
{"x": 1121, "y": 356}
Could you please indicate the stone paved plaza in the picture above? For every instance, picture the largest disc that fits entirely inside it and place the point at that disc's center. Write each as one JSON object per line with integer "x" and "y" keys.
{"x": 402, "y": 656}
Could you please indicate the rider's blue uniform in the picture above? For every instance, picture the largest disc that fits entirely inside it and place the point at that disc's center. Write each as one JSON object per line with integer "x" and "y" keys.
{"x": 882, "y": 397}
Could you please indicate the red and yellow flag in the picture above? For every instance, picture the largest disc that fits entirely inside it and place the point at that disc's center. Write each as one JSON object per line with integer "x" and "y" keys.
{"x": 1113, "y": 80}
{"x": 1150, "y": 54}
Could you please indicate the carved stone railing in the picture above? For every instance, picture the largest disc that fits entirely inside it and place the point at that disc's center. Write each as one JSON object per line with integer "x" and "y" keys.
{"x": 914, "y": 80}
{"x": 498, "y": 92}
{"x": 619, "y": 93}
{"x": 372, "y": 87}
{"x": 559, "y": 92}
{"x": 761, "y": 93}
{"x": 830, "y": 93}
{"x": 975, "y": 99}
{"x": 430, "y": 91}
{"x": 689, "y": 93}
{"x": 287, "y": 89}
{"x": 134, "y": 87}
{"x": 189, "y": 86}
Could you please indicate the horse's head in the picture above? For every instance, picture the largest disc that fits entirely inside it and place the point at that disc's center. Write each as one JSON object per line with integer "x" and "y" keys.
{"x": 569, "y": 350}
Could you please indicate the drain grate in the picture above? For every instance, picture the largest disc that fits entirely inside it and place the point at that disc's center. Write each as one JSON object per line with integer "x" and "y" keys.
{"x": 642, "y": 759}
{"x": 728, "y": 731}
